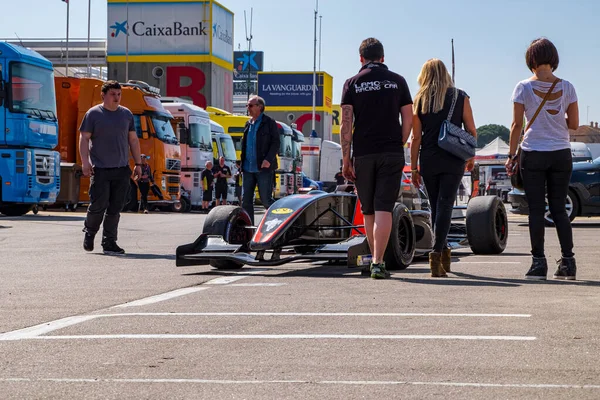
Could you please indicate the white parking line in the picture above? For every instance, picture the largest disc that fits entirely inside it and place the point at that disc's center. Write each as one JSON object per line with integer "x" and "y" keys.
{"x": 257, "y": 284}
{"x": 225, "y": 280}
{"x": 487, "y": 262}
{"x": 284, "y": 337}
{"x": 41, "y": 329}
{"x": 305, "y": 382}
{"x": 161, "y": 297}
{"x": 308, "y": 314}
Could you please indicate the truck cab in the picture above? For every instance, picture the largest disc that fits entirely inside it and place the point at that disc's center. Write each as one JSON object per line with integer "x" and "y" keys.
{"x": 232, "y": 124}
{"x": 192, "y": 126}
{"x": 223, "y": 146}
{"x": 29, "y": 168}
{"x": 284, "y": 175}
{"x": 297, "y": 141}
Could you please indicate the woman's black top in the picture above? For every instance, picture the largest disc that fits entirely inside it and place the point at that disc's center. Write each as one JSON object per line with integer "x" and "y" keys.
{"x": 433, "y": 159}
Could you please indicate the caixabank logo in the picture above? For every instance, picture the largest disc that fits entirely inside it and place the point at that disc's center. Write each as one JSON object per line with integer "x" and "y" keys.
{"x": 140, "y": 28}
{"x": 222, "y": 35}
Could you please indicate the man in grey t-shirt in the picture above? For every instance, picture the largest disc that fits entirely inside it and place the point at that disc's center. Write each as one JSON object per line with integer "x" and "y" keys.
{"x": 107, "y": 135}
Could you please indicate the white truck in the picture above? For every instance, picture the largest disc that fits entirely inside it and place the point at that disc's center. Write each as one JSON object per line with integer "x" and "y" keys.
{"x": 321, "y": 160}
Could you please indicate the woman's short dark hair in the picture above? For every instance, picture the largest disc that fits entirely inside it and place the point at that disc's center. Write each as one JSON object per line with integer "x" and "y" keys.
{"x": 540, "y": 52}
{"x": 371, "y": 49}
{"x": 110, "y": 85}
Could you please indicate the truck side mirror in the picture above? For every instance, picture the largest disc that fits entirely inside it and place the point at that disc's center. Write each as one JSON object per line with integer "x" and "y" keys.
{"x": 144, "y": 125}
{"x": 182, "y": 133}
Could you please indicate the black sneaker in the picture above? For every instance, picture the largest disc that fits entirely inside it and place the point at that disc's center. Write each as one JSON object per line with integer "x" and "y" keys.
{"x": 112, "y": 249}
{"x": 538, "y": 270}
{"x": 567, "y": 269}
{"x": 88, "y": 242}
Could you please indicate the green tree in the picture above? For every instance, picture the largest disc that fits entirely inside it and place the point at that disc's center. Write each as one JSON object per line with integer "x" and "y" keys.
{"x": 487, "y": 133}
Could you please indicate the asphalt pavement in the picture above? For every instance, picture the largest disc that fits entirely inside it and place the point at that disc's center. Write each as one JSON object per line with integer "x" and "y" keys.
{"x": 85, "y": 325}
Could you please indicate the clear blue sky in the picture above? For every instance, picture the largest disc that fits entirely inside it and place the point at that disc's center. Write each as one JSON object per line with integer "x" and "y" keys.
{"x": 490, "y": 39}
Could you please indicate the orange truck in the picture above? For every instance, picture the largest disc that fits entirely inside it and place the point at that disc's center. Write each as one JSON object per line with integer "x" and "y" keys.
{"x": 75, "y": 96}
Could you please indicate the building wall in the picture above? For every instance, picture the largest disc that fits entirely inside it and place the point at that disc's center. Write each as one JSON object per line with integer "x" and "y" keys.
{"x": 185, "y": 48}
{"x": 206, "y": 84}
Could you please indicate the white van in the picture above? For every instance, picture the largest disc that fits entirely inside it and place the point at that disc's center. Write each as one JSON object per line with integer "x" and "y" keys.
{"x": 580, "y": 152}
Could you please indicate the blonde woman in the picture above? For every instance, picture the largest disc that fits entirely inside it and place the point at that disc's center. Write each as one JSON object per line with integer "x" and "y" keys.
{"x": 440, "y": 170}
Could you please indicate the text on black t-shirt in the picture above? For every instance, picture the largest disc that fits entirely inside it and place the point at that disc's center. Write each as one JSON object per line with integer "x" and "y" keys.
{"x": 376, "y": 95}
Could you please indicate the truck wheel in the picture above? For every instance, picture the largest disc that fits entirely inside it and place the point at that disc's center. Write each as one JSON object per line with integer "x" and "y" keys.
{"x": 15, "y": 210}
{"x": 572, "y": 207}
{"x": 231, "y": 222}
{"x": 184, "y": 205}
{"x": 487, "y": 225}
{"x": 177, "y": 206}
{"x": 400, "y": 250}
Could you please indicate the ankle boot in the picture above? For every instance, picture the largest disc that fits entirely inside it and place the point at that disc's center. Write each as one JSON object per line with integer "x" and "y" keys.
{"x": 435, "y": 263}
{"x": 446, "y": 259}
{"x": 567, "y": 269}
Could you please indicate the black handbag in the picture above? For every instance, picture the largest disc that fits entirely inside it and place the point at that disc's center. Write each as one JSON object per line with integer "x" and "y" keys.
{"x": 516, "y": 179}
{"x": 156, "y": 191}
{"x": 454, "y": 139}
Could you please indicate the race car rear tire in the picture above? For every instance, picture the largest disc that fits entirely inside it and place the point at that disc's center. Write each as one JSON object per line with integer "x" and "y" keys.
{"x": 230, "y": 222}
{"x": 487, "y": 225}
{"x": 400, "y": 250}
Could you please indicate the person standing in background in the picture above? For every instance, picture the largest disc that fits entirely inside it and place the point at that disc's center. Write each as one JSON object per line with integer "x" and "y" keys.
{"x": 144, "y": 183}
{"x": 207, "y": 179}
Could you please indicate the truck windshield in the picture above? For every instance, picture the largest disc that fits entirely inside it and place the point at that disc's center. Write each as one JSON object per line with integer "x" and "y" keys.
{"x": 285, "y": 146}
{"x": 32, "y": 90}
{"x": 163, "y": 128}
{"x": 298, "y": 151}
{"x": 200, "y": 136}
{"x": 228, "y": 148}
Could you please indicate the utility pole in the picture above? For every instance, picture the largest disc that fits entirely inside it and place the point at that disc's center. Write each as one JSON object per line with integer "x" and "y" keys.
{"x": 314, "y": 87}
{"x": 88, "y": 43}
{"x": 453, "y": 81}
{"x": 67, "y": 58}
{"x": 320, "y": 42}
{"x": 249, "y": 40}
{"x": 127, "y": 43}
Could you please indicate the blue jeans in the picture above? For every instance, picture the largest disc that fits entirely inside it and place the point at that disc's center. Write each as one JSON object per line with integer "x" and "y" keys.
{"x": 264, "y": 180}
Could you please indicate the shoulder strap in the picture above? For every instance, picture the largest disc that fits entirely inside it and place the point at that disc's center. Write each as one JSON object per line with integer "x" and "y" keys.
{"x": 542, "y": 104}
{"x": 453, "y": 104}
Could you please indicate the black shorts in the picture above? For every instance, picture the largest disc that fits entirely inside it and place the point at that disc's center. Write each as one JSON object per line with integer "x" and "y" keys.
{"x": 221, "y": 191}
{"x": 238, "y": 191}
{"x": 207, "y": 195}
{"x": 378, "y": 179}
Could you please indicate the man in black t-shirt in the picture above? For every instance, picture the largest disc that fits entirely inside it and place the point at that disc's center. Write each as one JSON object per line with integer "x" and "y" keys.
{"x": 207, "y": 179}
{"x": 222, "y": 173}
{"x": 375, "y": 99}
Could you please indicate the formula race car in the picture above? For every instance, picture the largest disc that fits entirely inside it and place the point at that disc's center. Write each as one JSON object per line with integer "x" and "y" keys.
{"x": 329, "y": 226}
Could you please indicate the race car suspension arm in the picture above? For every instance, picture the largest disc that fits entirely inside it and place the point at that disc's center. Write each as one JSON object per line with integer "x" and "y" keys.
{"x": 349, "y": 224}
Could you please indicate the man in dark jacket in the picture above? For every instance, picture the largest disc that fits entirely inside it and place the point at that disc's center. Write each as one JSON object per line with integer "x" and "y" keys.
{"x": 260, "y": 145}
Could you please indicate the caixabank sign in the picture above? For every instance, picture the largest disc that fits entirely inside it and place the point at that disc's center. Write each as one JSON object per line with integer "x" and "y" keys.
{"x": 184, "y": 31}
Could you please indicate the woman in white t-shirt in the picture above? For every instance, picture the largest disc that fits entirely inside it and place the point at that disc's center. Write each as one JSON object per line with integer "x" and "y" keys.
{"x": 545, "y": 162}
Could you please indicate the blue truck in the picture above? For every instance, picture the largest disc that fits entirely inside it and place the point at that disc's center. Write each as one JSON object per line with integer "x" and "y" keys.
{"x": 29, "y": 167}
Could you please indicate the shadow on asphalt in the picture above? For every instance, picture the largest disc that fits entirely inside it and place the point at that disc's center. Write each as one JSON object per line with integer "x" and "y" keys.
{"x": 44, "y": 218}
{"x": 454, "y": 279}
{"x": 142, "y": 256}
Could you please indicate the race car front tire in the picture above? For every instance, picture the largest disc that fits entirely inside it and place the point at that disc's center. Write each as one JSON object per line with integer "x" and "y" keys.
{"x": 231, "y": 223}
{"x": 400, "y": 250}
{"x": 487, "y": 225}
